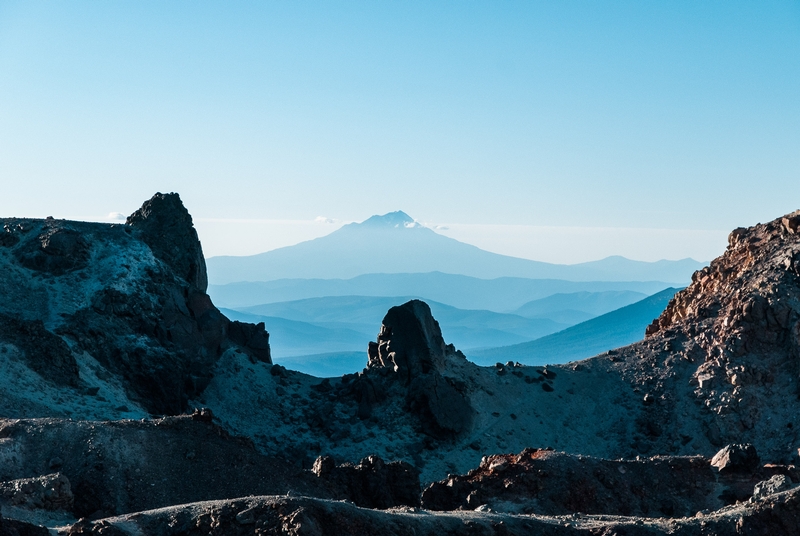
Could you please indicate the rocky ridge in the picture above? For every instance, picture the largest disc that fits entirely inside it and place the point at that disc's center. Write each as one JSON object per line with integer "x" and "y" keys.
{"x": 127, "y": 301}
{"x": 629, "y": 442}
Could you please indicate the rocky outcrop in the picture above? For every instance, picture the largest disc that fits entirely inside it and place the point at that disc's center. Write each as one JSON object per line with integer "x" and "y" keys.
{"x": 109, "y": 468}
{"x": 411, "y": 351}
{"x": 44, "y": 352}
{"x": 736, "y": 329}
{"x": 776, "y": 515}
{"x": 544, "y": 482}
{"x": 372, "y": 483}
{"x": 100, "y": 310}
{"x": 164, "y": 224}
{"x": 47, "y": 492}
{"x": 14, "y": 527}
{"x": 130, "y": 297}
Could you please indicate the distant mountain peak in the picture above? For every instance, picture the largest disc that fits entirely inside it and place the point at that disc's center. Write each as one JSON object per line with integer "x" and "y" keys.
{"x": 396, "y": 219}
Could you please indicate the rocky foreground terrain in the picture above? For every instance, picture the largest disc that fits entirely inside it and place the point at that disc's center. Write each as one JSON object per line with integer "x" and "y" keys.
{"x": 131, "y": 405}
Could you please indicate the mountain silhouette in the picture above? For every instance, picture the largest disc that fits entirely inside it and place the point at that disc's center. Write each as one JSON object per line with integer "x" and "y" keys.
{"x": 395, "y": 243}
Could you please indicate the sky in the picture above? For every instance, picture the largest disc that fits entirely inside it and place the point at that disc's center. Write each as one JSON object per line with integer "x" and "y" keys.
{"x": 559, "y": 131}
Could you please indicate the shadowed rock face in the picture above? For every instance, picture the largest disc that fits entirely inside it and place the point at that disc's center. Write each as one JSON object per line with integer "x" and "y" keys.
{"x": 44, "y": 352}
{"x": 411, "y": 350}
{"x": 56, "y": 250}
{"x": 410, "y": 342}
{"x": 125, "y": 466}
{"x": 164, "y": 224}
{"x": 372, "y": 483}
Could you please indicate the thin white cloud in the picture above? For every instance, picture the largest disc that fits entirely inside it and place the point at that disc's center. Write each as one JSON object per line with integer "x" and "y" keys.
{"x": 116, "y": 216}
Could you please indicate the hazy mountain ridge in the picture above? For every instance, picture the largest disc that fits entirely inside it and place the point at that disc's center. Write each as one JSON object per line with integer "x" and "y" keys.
{"x": 576, "y": 307}
{"x": 408, "y": 247}
{"x": 502, "y": 295}
{"x": 617, "y": 328}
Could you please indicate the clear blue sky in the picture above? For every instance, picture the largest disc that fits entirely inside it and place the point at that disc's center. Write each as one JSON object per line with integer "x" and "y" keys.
{"x": 635, "y": 115}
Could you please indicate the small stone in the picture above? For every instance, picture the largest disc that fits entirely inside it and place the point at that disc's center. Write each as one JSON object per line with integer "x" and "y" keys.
{"x": 202, "y": 415}
{"x": 705, "y": 381}
{"x": 323, "y": 466}
{"x": 246, "y": 517}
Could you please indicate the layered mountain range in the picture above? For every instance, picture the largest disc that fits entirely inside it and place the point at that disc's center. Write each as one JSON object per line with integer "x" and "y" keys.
{"x": 129, "y": 401}
{"x": 323, "y": 297}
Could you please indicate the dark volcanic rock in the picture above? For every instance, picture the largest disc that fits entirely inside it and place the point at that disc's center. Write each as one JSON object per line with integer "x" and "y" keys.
{"x": 253, "y": 337}
{"x": 165, "y": 225}
{"x": 139, "y": 308}
{"x": 555, "y": 483}
{"x": 411, "y": 350}
{"x": 113, "y": 467}
{"x": 45, "y": 352}
{"x": 778, "y": 515}
{"x": 372, "y": 483}
{"x": 410, "y": 342}
{"x": 46, "y": 492}
{"x": 57, "y": 250}
{"x": 12, "y": 527}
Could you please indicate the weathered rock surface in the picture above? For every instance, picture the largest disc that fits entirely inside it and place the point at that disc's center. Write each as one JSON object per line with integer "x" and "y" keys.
{"x": 164, "y": 224}
{"x": 108, "y": 468}
{"x": 48, "y": 492}
{"x": 411, "y": 350}
{"x": 14, "y": 527}
{"x": 554, "y": 483}
{"x": 372, "y": 483}
{"x": 776, "y": 515}
{"x": 130, "y": 298}
{"x": 736, "y": 459}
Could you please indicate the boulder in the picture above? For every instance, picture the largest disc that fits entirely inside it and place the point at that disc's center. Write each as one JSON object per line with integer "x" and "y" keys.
{"x": 776, "y": 484}
{"x": 410, "y": 342}
{"x": 736, "y": 458}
